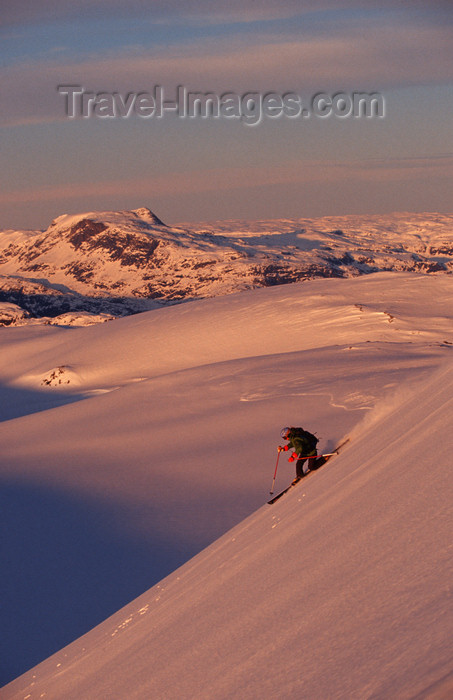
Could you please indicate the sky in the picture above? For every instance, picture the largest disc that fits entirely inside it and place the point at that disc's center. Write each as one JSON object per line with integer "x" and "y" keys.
{"x": 195, "y": 168}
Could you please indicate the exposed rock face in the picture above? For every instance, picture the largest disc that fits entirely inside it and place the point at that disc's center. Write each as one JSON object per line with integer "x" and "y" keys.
{"x": 117, "y": 263}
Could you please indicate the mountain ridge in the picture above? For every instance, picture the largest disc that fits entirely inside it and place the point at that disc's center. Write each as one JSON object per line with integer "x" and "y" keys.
{"x": 108, "y": 264}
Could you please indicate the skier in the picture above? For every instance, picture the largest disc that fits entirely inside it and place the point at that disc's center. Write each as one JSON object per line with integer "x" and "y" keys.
{"x": 304, "y": 445}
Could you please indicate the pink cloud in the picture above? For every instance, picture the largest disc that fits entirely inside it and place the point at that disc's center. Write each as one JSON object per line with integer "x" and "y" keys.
{"x": 17, "y": 12}
{"x": 357, "y": 60}
{"x": 227, "y": 178}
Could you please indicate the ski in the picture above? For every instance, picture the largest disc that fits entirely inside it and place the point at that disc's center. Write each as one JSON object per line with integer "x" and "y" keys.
{"x": 319, "y": 461}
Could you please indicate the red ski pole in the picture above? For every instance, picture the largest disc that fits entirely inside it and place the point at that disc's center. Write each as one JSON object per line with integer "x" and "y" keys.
{"x": 275, "y": 474}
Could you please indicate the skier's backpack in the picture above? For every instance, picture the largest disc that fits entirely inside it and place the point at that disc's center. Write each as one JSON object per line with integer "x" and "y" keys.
{"x": 311, "y": 439}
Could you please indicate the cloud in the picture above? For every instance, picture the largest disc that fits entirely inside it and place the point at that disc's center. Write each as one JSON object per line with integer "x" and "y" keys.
{"x": 355, "y": 60}
{"x": 23, "y": 12}
{"x": 26, "y": 11}
{"x": 228, "y": 178}
{"x": 439, "y": 162}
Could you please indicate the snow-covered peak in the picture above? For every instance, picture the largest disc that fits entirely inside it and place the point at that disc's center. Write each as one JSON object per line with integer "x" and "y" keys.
{"x": 133, "y": 260}
{"x": 133, "y": 219}
{"x": 147, "y": 215}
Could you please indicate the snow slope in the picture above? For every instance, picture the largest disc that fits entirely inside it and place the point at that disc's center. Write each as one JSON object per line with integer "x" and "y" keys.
{"x": 343, "y": 590}
{"x": 167, "y": 438}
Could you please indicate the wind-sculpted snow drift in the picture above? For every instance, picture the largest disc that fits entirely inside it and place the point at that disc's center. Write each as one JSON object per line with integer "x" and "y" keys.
{"x": 130, "y": 448}
{"x": 117, "y": 263}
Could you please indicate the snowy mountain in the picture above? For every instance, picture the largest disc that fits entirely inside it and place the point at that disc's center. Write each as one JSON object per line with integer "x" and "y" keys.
{"x": 136, "y": 459}
{"x": 116, "y": 263}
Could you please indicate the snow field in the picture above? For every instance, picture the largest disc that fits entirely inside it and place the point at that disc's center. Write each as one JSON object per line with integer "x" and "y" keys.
{"x": 338, "y": 590}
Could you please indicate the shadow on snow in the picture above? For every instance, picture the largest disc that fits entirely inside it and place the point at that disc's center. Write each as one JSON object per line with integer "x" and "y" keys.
{"x": 16, "y": 402}
{"x": 66, "y": 568}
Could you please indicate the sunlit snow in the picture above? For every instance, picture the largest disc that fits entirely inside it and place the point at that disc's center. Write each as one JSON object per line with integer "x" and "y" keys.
{"x": 134, "y": 447}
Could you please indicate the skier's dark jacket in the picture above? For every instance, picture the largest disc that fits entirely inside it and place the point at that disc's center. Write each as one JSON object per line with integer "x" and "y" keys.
{"x": 300, "y": 445}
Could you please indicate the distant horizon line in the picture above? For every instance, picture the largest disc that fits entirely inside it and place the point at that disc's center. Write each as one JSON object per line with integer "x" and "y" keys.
{"x": 204, "y": 222}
